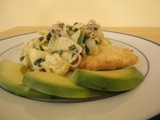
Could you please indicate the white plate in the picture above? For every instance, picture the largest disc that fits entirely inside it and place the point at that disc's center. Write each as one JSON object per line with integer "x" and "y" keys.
{"x": 140, "y": 103}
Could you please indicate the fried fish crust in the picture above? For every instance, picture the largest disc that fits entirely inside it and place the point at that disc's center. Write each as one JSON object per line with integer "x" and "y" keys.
{"x": 109, "y": 57}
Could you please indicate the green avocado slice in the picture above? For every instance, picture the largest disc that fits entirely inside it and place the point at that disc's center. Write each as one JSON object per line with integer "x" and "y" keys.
{"x": 113, "y": 81}
{"x": 11, "y": 76}
{"x": 53, "y": 84}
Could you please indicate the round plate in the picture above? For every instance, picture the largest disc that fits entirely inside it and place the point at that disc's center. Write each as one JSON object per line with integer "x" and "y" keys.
{"x": 140, "y": 103}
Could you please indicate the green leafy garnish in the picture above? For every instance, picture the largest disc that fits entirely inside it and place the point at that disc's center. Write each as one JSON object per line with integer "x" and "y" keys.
{"x": 38, "y": 61}
{"x": 81, "y": 39}
{"x": 72, "y": 47}
{"x": 60, "y": 52}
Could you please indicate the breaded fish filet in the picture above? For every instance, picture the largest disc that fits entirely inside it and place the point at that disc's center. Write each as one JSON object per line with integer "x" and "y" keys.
{"x": 110, "y": 57}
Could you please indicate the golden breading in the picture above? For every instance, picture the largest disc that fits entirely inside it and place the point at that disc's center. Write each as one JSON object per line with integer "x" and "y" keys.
{"x": 109, "y": 57}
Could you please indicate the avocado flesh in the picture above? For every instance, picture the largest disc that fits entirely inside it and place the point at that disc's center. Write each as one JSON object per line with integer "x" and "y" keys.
{"x": 53, "y": 84}
{"x": 11, "y": 76}
{"x": 113, "y": 81}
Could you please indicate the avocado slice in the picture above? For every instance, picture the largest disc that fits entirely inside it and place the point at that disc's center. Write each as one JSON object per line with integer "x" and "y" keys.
{"x": 113, "y": 81}
{"x": 11, "y": 76}
{"x": 53, "y": 84}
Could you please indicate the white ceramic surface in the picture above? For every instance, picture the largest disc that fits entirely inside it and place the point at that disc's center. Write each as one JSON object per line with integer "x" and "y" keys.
{"x": 140, "y": 103}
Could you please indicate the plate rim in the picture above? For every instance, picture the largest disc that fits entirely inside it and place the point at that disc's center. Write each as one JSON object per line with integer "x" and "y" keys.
{"x": 122, "y": 33}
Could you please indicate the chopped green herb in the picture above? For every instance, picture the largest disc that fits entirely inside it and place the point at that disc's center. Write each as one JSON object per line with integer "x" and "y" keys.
{"x": 41, "y": 48}
{"x": 53, "y": 52}
{"x": 38, "y": 61}
{"x": 60, "y": 52}
{"x": 81, "y": 39}
{"x": 48, "y": 37}
{"x": 72, "y": 47}
{"x": 76, "y": 29}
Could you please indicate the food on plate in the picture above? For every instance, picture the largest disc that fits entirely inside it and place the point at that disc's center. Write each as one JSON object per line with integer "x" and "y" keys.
{"x": 66, "y": 47}
{"x": 97, "y": 67}
{"x": 116, "y": 80}
{"x": 11, "y": 76}
{"x": 53, "y": 84}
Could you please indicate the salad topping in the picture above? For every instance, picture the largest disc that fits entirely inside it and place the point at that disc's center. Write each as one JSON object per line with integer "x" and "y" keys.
{"x": 62, "y": 47}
